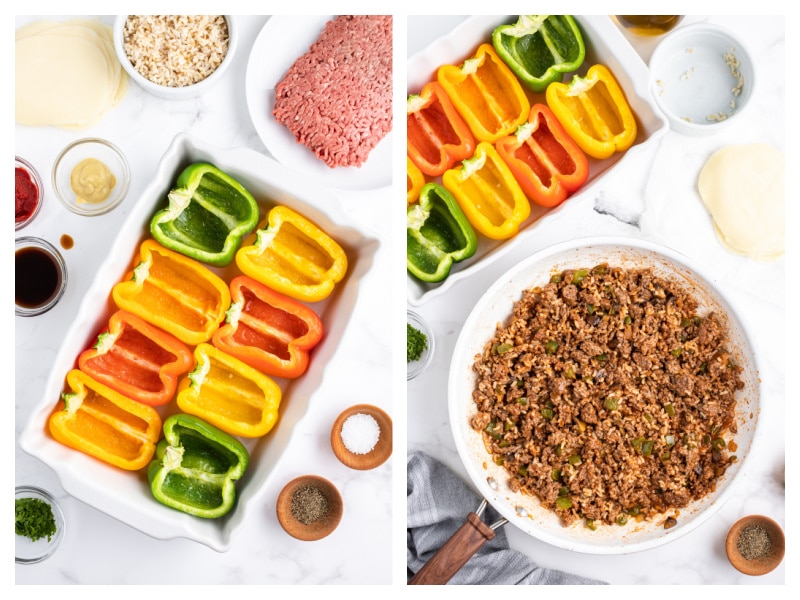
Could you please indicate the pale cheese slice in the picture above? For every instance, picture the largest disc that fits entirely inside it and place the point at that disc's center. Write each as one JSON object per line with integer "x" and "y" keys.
{"x": 66, "y": 74}
{"x": 742, "y": 186}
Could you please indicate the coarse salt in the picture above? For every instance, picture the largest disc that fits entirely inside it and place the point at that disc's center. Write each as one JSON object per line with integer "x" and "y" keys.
{"x": 360, "y": 433}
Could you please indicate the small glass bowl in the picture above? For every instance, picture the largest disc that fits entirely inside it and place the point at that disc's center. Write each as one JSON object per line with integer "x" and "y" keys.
{"x": 21, "y": 163}
{"x": 27, "y": 288}
{"x": 28, "y": 552}
{"x": 105, "y": 152}
{"x": 417, "y": 366}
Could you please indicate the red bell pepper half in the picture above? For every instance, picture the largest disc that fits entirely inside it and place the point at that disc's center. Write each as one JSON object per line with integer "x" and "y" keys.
{"x": 137, "y": 359}
{"x": 545, "y": 160}
{"x": 437, "y": 136}
{"x": 267, "y": 330}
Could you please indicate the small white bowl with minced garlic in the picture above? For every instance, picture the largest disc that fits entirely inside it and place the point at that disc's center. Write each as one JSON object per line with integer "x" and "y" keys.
{"x": 175, "y": 57}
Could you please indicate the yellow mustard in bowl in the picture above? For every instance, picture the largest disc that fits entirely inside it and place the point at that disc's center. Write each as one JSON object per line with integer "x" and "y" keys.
{"x": 92, "y": 181}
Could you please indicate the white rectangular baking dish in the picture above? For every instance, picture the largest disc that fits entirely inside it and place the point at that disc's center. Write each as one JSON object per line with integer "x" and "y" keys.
{"x": 605, "y": 44}
{"x": 126, "y": 495}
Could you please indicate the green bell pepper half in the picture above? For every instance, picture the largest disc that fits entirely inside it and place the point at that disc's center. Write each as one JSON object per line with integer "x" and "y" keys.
{"x": 438, "y": 234}
{"x": 209, "y": 213}
{"x": 540, "y": 49}
{"x": 196, "y": 467}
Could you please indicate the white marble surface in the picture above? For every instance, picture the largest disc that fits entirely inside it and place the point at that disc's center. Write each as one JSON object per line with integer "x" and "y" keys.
{"x": 98, "y": 549}
{"x": 654, "y": 199}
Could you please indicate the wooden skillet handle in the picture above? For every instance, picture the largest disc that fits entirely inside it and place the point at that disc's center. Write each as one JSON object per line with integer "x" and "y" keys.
{"x": 454, "y": 553}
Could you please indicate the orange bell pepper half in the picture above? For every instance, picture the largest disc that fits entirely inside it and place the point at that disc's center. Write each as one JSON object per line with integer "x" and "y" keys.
{"x": 437, "y": 136}
{"x": 487, "y": 192}
{"x": 137, "y": 360}
{"x": 293, "y": 256}
{"x": 100, "y": 422}
{"x": 229, "y": 394}
{"x": 175, "y": 293}
{"x": 268, "y": 330}
{"x": 486, "y": 93}
{"x": 545, "y": 161}
{"x": 415, "y": 180}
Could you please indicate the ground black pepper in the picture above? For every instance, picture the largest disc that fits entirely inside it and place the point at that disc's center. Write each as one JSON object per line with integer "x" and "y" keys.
{"x": 753, "y": 542}
{"x": 309, "y": 504}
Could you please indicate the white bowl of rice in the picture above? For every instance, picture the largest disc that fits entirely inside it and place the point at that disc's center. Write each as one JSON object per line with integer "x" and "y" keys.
{"x": 175, "y": 56}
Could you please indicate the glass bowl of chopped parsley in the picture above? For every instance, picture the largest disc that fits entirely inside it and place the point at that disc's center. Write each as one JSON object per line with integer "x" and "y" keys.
{"x": 419, "y": 344}
{"x": 38, "y": 524}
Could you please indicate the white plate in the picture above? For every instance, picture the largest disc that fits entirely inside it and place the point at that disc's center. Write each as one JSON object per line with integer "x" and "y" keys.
{"x": 126, "y": 495}
{"x": 495, "y": 306}
{"x": 605, "y": 44}
{"x": 281, "y": 41}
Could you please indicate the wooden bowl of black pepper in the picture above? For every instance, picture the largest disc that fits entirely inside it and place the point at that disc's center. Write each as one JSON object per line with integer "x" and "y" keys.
{"x": 309, "y": 508}
{"x": 755, "y": 545}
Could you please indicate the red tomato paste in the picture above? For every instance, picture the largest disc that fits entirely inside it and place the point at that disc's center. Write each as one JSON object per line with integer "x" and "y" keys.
{"x": 26, "y": 197}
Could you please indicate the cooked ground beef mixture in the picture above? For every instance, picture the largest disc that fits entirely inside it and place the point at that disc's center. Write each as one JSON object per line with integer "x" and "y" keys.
{"x": 608, "y": 397}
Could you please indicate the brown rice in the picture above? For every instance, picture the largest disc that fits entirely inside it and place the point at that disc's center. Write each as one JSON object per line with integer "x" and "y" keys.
{"x": 175, "y": 50}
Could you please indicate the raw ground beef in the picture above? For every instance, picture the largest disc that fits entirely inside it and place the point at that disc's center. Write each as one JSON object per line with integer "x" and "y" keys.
{"x": 608, "y": 397}
{"x": 337, "y": 98}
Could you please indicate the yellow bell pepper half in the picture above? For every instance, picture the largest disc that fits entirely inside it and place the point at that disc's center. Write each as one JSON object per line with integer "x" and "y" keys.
{"x": 96, "y": 420}
{"x": 594, "y": 111}
{"x": 229, "y": 394}
{"x": 414, "y": 181}
{"x": 486, "y": 94}
{"x": 293, "y": 256}
{"x": 174, "y": 292}
{"x": 487, "y": 192}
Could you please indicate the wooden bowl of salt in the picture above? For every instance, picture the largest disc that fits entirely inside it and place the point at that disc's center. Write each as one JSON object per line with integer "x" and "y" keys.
{"x": 361, "y": 437}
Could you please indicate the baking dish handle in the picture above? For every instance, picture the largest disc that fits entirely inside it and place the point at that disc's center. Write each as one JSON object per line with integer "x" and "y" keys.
{"x": 457, "y": 550}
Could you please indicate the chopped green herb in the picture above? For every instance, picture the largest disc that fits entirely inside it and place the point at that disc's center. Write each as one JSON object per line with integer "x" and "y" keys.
{"x": 416, "y": 343}
{"x": 34, "y": 519}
